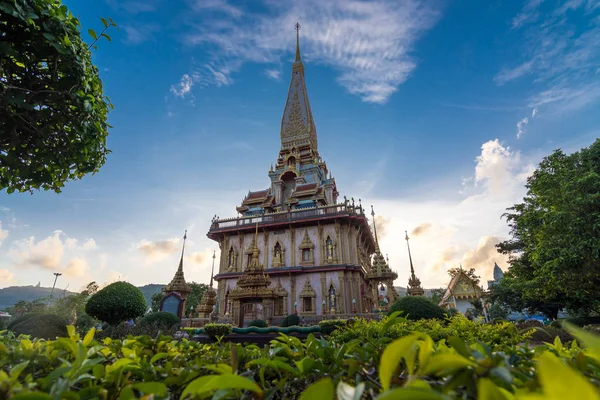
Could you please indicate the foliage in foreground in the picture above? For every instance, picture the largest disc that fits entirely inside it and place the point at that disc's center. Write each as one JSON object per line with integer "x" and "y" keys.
{"x": 53, "y": 112}
{"x": 116, "y": 302}
{"x": 414, "y": 366}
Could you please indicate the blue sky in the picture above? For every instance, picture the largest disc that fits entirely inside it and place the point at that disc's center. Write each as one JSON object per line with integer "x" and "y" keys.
{"x": 433, "y": 111}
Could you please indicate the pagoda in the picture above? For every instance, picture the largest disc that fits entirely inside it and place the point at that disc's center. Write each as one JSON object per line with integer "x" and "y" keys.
{"x": 414, "y": 284}
{"x": 380, "y": 271}
{"x": 177, "y": 291}
{"x": 295, "y": 246}
{"x": 205, "y": 307}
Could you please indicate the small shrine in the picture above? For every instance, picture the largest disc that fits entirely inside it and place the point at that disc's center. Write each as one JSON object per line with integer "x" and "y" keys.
{"x": 461, "y": 291}
{"x": 209, "y": 299}
{"x": 176, "y": 292}
{"x": 381, "y": 273}
{"x": 414, "y": 283}
{"x": 252, "y": 292}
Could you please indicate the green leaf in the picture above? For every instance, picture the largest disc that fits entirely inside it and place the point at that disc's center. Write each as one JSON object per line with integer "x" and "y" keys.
{"x": 93, "y": 34}
{"x": 89, "y": 337}
{"x": 72, "y": 332}
{"x": 211, "y": 383}
{"x": 107, "y": 37}
{"x": 391, "y": 357}
{"x": 104, "y": 22}
{"x": 158, "y": 388}
{"x": 487, "y": 390}
{"x": 349, "y": 392}
{"x": 158, "y": 356}
{"x": 17, "y": 369}
{"x": 446, "y": 362}
{"x": 32, "y": 396}
{"x": 120, "y": 363}
{"x": 411, "y": 394}
{"x": 554, "y": 375}
{"x": 320, "y": 390}
{"x": 459, "y": 345}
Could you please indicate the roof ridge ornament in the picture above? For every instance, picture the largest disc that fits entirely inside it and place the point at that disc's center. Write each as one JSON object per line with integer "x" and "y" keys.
{"x": 298, "y": 41}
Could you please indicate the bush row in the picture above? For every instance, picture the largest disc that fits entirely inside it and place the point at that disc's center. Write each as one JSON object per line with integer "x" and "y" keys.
{"x": 413, "y": 366}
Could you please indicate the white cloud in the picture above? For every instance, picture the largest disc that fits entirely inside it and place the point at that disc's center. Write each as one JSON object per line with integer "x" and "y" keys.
{"x": 446, "y": 230}
{"x": 77, "y": 267}
{"x": 560, "y": 52}
{"x": 158, "y": 250}
{"x": 183, "y": 87}
{"x": 273, "y": 74}
{"x": 521, "y": 127}
{"x": 3, "y": 234}
{"x": 138, "y": 34}
{"x": 90, "y": 244}
{"x": 534, "y": 113}
{"x": 369, "y": 44}
{"x": 6, "y": 277}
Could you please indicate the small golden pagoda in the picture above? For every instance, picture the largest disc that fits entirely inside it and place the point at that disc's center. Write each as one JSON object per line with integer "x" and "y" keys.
{"x": 177, "y": 291}
{"x": 209, "y": 299}
{"x": 252, "y": 288}
{"x": 381, "y": 272}
{"x": 414, "y": 284}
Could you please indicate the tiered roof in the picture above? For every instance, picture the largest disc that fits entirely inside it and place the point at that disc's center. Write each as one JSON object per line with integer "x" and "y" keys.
{"x": 178, "y": 283}
{"x": 414, "y": 283}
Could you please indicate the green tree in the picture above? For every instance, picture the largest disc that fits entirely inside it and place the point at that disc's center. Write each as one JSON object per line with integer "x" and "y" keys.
{"x": 72, "y": 308}
{"x": 554, "y": 247}
{"x": 116, "y": 303}
{"x": 53, "y": 112}
{"x": 156, "y": 299}
{"x": 437, "y": 295}
{"x": 194, "y": 298}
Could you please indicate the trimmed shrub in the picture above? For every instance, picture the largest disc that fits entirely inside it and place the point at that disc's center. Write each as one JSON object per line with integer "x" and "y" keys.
{"x": 214, "y": 330}
{"x": 16, "y": 321}
{"x": 41, "y": 326}
{"x": 259, "y": 323}
{"x": 117, "y": 302}
{"x": 290, "y": 320}
{"x": 532, "y": 323}
{"x": 160, "y": 319}
{"x": 330, "y": 325}
{"x": 548, "y": 333}
{"x": 417, "y": 307}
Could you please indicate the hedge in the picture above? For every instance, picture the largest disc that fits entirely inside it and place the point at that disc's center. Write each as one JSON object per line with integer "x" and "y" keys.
{"x": 117, "y": 302}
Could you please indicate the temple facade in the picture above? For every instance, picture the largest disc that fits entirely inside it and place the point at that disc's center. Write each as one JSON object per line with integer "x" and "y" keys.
{"x": 295, "y": 246}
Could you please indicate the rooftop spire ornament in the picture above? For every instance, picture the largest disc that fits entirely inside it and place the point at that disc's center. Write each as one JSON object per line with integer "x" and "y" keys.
{"x": 298, "y": 42}
{"x": 414, "y": 284}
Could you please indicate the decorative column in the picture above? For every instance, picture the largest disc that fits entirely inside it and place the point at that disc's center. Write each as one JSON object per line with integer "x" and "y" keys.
{"x": 266, "y": 260}
{"x": 323, "y": 291}
{"x": 293, "y": 293}
{"x": 342, "y": 294}
{"x": 293, "y": 249}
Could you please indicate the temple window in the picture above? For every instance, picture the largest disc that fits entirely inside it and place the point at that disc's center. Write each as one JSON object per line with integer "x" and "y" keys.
{"x": 305, "y": 255}
{"x": 226, "y": 303}
{"x": 307, "y": 304}
{"x": 231, "y": 259}
{"x": 329, "y": 249}
{"x": 278, "y": 306}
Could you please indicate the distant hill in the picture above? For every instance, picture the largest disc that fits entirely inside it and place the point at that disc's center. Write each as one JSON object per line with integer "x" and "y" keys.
{"x": 149, "y": 290}
{"x": 11, "y": 295}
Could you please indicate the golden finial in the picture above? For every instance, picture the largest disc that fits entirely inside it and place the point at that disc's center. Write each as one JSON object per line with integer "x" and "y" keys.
{"x": 374, "y": 228}
{"x": 298, "y": 42}
{"x": 412, "y": 269}
{"x": 183, "y": 249}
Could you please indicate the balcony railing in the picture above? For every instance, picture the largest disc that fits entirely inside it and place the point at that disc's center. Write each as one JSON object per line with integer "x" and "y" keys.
{"x": 285, "y": 216}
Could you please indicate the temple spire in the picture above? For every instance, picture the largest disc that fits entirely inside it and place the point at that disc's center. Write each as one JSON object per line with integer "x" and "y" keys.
{"x": 297, "y": 124}
{"x": 182, "y": 251}
{"x": 375, "y": 230}
{"x": 412, "y": 269}
{"x": 414, "y": 284}
{"x": 298, "y": 42}
{"x": 212, "y": 271}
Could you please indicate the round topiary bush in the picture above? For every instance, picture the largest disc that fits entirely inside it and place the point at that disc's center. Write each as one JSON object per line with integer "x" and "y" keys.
{"x": 259, "y": 323}
{"x": 16, "y": 321}
{"x": 42, "y": 326}
{"x": 215, "y": 330}
{"x": 160, "y": 319}
{"x": 330, "y": 325}
{"x": 417, "y": 307}
{"x": 117, "y": 302}
{"x": 290, "y": 320}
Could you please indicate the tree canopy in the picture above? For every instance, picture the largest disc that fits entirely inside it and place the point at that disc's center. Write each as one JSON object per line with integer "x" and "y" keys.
{"x": 554, "y": 249}
{"x": 53, "y": 112}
